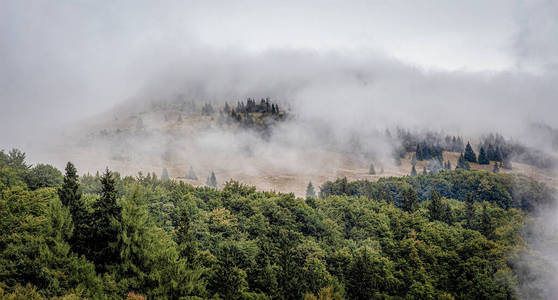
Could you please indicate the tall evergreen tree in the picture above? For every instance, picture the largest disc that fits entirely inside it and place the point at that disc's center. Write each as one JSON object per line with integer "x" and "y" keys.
{"x": 424, "y": 171}
{"x": 470, "y": 155}
{"x": 70, "y": 196}
{"x": 436, "y": 207}
{"x": 483, "y": 157}
{"x": 410, "y": 200}
{"x": 419, "y": 153}
{"x": 191, "y": 174}
{"x": 310, "y": 190}
{"x": 107, "y": 216}
{"x": 448, "y": 216}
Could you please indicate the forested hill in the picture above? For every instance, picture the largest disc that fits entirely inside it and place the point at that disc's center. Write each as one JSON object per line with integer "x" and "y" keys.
{"x": 108, "y": 237}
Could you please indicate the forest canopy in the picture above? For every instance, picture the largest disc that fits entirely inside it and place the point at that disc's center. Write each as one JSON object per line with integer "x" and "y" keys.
{"x": 450, "y": 235}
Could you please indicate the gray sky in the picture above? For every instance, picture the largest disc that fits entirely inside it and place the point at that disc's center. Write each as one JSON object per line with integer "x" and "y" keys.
{"x": 61, "y": 61}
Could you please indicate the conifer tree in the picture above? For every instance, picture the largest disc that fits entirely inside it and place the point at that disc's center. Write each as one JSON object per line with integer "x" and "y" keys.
{"x": 410, "y": 200}
{"x": 419, "y": 153}
{"x": 483, "y": 158}
{"x": 70, "y": 196}
{"x": 470, "y": 155}
{"x": 165, "y": 175}
{"x": 107, "y": 216}
{"x": 372, "y": 170}
{"x": 436, "y": 208}
{"x": 507, "y": 163}
{"x": 448, "y": 165}
{"x": 413, "y": 172}
{"x": 310, "y": 190}
{"x": 212, "y": 180}
{"x": 485, "y": 226}
{"x": 424, "y": 171}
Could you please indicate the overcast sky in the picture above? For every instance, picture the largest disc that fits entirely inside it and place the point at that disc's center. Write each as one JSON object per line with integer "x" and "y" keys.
{"x": 61, "y": 61}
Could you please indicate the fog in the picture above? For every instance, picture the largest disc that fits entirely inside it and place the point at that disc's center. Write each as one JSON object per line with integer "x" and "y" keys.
{"x": 345, "y": 73}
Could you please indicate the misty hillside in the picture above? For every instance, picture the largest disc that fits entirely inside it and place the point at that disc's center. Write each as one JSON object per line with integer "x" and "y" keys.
{"x": 316, "y": 150}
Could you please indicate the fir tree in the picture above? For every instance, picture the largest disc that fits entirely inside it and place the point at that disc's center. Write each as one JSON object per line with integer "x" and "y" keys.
{"x": 485, "y": 226}
{"x": 483, "y": 158}
{"x": 448, "y": 165}
{"x": 372, "y": 170}
{"x": 70, "y": 196}
{"x": 436, "y": 207}
{"x": 419, "y": 153}
{"x": 470, "y": 155}
{"x": 165, "y": 175}
{"x": 107, "y": 216}
{"x": 413, "y": 172}
{"x": 310, "y": 190}
{"x": 424, "y": 171}
{"x": 212, "y": 180}
{"x": 410, "y": 200}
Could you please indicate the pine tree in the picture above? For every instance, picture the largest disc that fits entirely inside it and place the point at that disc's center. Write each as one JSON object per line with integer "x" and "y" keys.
{"x": 372, "y": 170}
{"x": 483, "y": 158}
{"x": 424, "y": 171}
{"x": 107, "y": 216}
{"x": 470, "y": 155}
{"x": 70, "y": 196}
{"x": 165, "y": 175}
{"x": 212, "y": 180}
{"x": 413, "y": 172}
{"x": 410, "y": 200}
{"x": 436, "y": 207}
{"x": 310, "y": 190}
{"x": 496, "y": 169}
{"x": 414, "y": 160}
{"x": 485, "y": 226}
{"x": 448, "y": 165}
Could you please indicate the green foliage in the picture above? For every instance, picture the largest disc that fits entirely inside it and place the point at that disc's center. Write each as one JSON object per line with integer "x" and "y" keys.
{"x": 168, "y": 240}
{"x": 310, "y": 192}
{"x": 212, "y": 180}
{"x": 483, "y": 157}
{"x": 470, "y": 155}
{"x": 43, "y": 175}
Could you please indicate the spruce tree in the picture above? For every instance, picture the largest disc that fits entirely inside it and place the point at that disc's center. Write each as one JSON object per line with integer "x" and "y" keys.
{"x": 413, "y": 172}
{"x": 436, "y": 207}
{"x": 410, "y": 200}
{"x": 483, "y": 158}
{"x": 372, "y": 170}
{"x": 107, "y": 216}
{"x": 448, "y": 216}
{"x": 310, "y": 190}
{"x": 419, "y": 153}
{"x": 424, "y": 171}
{"x": 470, "y": 155}
{"x": 448, "y": 165}
{"x": 70, "y": 196}
{"x": 212, "y": 180}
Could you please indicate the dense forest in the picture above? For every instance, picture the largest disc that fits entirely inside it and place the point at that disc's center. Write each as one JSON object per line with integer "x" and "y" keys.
{"x": 450, "y": 235}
